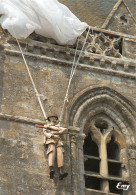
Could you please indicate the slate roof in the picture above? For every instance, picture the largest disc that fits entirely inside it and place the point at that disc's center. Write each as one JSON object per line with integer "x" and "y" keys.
{"x": 94, "y": 12}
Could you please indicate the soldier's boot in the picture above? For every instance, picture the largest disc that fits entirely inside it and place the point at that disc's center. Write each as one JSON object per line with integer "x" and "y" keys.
{"x": 62, "y": 174}
{"x": 52, "y": 172}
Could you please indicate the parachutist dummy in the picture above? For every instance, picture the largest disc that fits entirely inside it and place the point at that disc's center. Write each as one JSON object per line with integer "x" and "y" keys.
{"x": 53, "y": 140}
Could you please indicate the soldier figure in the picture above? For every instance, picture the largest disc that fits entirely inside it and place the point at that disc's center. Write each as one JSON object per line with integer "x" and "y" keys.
{"x": 54, "y": 143}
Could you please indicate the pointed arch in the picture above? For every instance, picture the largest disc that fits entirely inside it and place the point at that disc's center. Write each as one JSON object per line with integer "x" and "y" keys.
{"x": 115, "y": 8}
{"x": 103, "y": 100}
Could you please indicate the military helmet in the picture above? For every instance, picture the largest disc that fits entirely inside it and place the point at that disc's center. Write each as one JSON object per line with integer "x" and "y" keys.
{"x": 52, "y": 115}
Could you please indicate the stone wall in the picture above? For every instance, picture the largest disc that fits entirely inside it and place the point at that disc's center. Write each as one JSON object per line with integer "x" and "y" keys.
{"x": 94, "y": 13}
{"x": 23, "y": 162}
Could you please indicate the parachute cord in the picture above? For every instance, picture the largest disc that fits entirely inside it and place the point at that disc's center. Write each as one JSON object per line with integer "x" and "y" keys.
{"x": 29, "y": 73}
{"x": 73, "y": 70}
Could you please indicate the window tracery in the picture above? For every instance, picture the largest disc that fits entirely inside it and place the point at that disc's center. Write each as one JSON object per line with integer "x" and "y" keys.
{"x": 104, "y": 151}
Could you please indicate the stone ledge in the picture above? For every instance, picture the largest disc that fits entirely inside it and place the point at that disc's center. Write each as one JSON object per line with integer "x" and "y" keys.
{"x": 97, "y": 192}
{"x": 92, "y": 174}
{"x": 112, "y": 32}
{"x": 32, "y": 45}
{"x": 21, "y": 119}
{"x": 80, "y": 66}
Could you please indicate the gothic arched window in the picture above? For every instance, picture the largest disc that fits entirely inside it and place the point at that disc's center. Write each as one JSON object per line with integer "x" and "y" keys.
{"x": 102, "y": 158}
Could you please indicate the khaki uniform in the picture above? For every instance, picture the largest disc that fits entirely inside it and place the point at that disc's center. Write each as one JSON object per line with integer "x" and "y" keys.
{"x": 54, "y": 145}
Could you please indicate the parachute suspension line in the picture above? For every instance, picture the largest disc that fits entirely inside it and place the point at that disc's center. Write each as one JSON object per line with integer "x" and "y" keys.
{"x": 29, "y": 73}
{"x": 74, "y": 58}
{"x": 73, "y": 70}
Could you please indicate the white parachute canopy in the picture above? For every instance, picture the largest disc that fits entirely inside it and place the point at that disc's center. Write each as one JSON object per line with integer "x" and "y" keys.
{"x": 48, "y": 18}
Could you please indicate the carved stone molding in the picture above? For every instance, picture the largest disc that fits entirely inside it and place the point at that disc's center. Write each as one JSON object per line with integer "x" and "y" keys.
{"x": 73, "y": 138}
{"x": 131, "y": 154}
{"x": 97, "y": 135}
{"x": 89, "y": 99}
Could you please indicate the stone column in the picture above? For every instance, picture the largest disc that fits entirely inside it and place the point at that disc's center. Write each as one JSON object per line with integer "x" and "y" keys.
{"x": 132, "y": 167}
{"x": 74, "y": 133}
{"x": 73, "y": 143}
{"x": 80, "y": 159}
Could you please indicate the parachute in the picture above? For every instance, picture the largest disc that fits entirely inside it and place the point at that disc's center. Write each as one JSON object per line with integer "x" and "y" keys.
{"x": 48, "y": 18}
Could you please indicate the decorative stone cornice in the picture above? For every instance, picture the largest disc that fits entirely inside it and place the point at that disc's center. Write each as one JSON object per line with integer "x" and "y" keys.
{"x": 89, "y": 66}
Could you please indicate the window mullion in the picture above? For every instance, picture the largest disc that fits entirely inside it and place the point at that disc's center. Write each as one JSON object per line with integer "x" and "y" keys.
{"x": 103, "y": 164}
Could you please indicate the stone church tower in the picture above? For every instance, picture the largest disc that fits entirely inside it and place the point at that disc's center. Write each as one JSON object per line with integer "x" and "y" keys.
{"x": 100, "y": 114}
